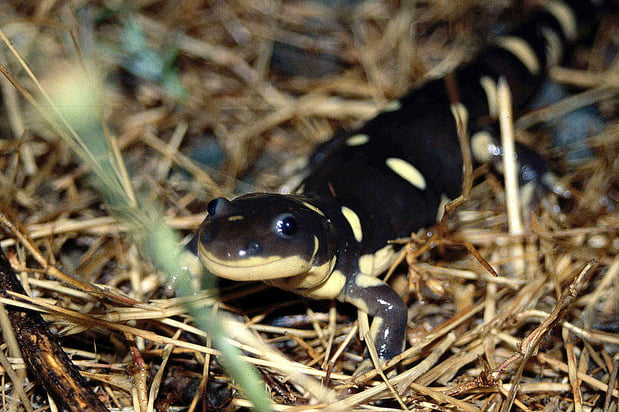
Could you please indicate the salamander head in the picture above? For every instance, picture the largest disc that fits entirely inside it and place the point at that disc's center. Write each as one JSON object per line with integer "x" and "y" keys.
{"x": 267, "y": 237}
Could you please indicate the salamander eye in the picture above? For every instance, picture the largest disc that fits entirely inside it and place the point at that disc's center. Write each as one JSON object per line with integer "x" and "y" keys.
{"x": 217, "y": 206}
{"x": 286, "y": 225}
{"x": 211, "y": 207}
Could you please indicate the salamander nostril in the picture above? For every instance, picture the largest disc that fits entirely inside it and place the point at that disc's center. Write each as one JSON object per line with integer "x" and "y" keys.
{"x": 254, "y": 249}
{"x": 251, "y": 249}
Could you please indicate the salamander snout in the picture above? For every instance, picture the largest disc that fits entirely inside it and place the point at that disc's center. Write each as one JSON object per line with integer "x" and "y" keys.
{"x": 266, "y": 237}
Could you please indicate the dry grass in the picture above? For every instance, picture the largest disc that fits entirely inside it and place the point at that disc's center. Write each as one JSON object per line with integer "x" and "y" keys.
{"x": 225, "y": 98}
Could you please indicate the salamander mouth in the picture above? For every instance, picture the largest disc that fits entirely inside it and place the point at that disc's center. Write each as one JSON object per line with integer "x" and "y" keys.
{"x": 255, "y": 268}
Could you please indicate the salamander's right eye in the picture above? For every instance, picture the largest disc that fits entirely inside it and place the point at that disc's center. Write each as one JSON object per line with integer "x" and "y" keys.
{"x": 286, "y": 225}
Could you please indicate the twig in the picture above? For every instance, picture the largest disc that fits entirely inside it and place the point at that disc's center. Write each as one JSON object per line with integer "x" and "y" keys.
{"x": 42, "y": 352}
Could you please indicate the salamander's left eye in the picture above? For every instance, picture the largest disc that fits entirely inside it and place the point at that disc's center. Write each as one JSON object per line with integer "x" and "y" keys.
{"x": 286, "y": 225}
{"x": 218, "y": 207}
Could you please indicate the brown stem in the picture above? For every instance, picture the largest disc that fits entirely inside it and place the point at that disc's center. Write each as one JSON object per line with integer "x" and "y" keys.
{"x": 42, "y": 353}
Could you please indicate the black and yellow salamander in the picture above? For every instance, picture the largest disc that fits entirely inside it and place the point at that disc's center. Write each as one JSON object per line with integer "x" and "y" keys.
{"x": 383, "y": 181}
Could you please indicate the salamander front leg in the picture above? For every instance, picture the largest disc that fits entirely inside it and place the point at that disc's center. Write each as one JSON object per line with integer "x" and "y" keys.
{"x": 377, "y": 299}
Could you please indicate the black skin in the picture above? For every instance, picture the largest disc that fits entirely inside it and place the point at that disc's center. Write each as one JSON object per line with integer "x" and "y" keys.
{"x": 422, "y": 133}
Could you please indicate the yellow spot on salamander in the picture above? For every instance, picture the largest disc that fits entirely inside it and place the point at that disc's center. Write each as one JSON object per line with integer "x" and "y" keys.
{"x": 330, "y": 289}
{"x": 358, "y": 140}
{"x": 407, "y": 172}
{"x": 366, "y": 264}
{"x": 376, "y": 263}
{"x": 235, "y": 218}
{"x": 366, "y": 281}
{"x": 383, "y": 258}
{"x": 354, "y": 222}
{"x": 313, "y": 208}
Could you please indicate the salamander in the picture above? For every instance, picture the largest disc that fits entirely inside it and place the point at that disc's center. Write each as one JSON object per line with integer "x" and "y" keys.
{"x": 328, "y": 239}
